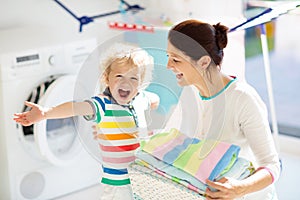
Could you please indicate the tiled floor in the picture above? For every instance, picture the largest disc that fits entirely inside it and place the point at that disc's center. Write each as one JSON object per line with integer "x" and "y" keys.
{"x": 91, "y": 193}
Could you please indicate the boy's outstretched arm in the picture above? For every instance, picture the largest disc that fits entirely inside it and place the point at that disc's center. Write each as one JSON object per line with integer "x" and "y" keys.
{"x": 64, "y": 110}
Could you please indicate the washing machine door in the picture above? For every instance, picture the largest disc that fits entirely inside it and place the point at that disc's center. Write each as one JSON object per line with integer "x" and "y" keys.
{"x": 57, "y": 139}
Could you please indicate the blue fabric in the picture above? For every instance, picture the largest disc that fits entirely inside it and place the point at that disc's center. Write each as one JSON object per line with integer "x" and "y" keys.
{"x": 173, "y": 154}
{"x": 100, "y": 102}
{"x": 114, "y": 171}
{"x": 223, "y": 163}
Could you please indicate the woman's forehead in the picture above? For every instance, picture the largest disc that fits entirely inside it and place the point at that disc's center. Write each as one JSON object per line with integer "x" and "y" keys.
{"x": 173, "y": 51}
{"x": 176, "y": 53}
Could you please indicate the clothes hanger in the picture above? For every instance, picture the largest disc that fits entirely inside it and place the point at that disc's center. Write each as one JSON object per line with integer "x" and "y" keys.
{"x": 86, "y": 20}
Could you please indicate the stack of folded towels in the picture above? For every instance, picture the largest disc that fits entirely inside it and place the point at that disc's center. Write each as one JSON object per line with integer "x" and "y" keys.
{"x": 190, "y": 161}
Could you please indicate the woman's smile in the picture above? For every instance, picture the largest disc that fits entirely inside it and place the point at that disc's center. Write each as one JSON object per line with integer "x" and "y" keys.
{"x": 179, "y": 76}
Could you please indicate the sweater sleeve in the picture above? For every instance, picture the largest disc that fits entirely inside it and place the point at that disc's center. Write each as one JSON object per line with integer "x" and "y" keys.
{"x": 255, "y": 126}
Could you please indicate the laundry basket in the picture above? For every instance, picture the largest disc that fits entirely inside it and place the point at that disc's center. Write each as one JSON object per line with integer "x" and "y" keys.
{"x": 148, "y": 185}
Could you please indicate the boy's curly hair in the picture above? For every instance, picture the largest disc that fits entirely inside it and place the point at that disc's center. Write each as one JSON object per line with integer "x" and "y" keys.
{"x": 125, "y": 53}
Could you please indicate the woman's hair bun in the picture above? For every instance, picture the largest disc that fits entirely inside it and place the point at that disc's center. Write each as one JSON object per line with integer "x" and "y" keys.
{"x": 221, "y": 35}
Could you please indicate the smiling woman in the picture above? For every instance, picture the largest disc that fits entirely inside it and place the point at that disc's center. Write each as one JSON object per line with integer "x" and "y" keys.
{"x": 232, "y": 111}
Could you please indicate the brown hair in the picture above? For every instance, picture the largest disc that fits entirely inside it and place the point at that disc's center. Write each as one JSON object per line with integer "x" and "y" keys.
{"x": 196, "y": 39}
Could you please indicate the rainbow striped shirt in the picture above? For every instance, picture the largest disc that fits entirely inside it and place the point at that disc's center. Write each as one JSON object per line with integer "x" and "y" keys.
{"x": 117, "y": 136}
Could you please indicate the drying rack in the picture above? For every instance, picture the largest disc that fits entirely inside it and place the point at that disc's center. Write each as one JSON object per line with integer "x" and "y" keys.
{"x": 84, "y": 20}
{"x": 273, "y": 10}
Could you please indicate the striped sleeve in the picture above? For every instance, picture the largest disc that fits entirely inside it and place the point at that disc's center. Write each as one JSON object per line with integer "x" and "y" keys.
{"x": 98, "y": 105}
{"x": 93, "y": 116}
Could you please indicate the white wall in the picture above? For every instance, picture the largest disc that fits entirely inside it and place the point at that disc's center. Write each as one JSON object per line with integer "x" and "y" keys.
{"x": 183, "y": 9}
{"x": 35, "y": 23}
{"x": 30, "y": 23}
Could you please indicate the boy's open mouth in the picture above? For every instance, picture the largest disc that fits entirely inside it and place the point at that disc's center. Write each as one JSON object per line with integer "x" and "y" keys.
{"x": 124, "y": 93}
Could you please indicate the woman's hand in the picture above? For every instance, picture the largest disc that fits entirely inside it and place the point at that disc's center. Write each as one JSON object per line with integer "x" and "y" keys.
{"x": 228, "y": 189}
{"x": 37, "y": 113}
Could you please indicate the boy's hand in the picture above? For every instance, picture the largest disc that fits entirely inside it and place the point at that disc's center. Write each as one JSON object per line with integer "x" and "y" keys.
{"x": 28, "y": 118}
{"x": 95, "y": 132}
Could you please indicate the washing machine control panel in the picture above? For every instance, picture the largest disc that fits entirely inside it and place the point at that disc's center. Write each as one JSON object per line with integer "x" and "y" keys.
{"x": 64, "y": 58}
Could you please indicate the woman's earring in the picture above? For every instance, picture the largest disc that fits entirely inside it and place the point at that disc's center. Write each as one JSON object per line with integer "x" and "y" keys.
{"x": 202, "y": 73}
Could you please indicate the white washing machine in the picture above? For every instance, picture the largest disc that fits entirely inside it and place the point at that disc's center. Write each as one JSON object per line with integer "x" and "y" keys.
{"x": 46, "y": 160}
